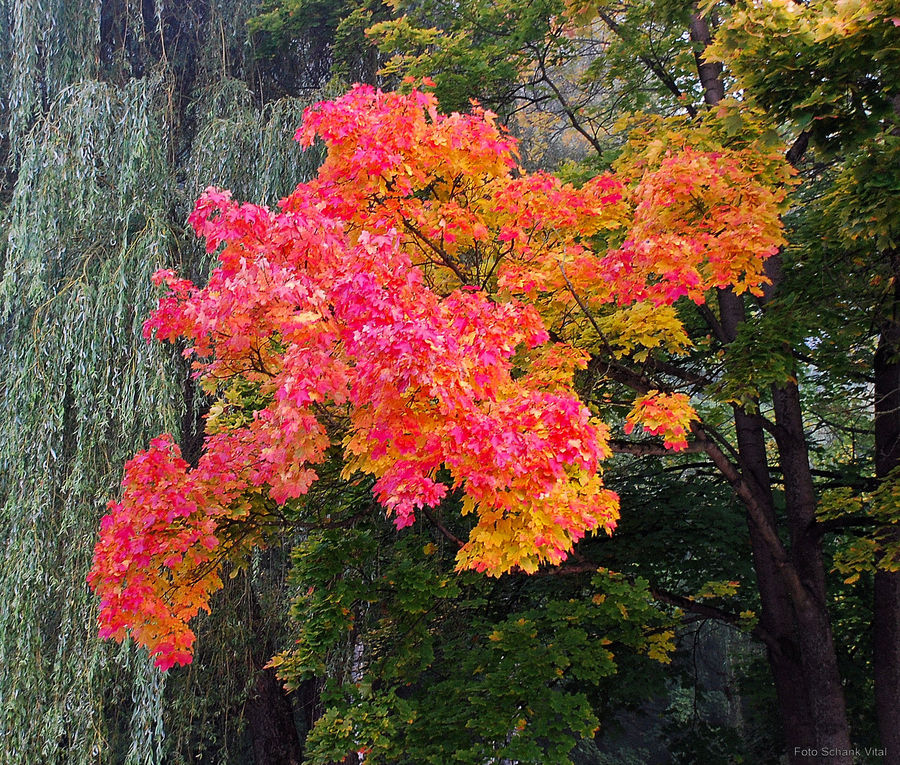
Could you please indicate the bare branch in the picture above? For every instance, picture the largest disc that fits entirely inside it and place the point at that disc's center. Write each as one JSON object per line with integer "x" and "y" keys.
{"x": 440, "y": 527}
{"x": 645, "y": 449}
{"x": 654, "y": 66}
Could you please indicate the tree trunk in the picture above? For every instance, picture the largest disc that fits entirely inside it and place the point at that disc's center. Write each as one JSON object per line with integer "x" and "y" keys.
{"x": 271, "y": 723}
{"x": 801, "y": 655}
{"x": 817, "y": 652}
{"x": 280, "y": 721}
{"x": 886, "y": 661}
{"x": 886, "y": 608}
{"x": 270, "y": 717}
{"x": 710, "y": 72}
{"x": 777, "y": 612}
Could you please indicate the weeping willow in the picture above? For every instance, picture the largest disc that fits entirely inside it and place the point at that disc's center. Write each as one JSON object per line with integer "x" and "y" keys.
{"x": 114, "y": 115}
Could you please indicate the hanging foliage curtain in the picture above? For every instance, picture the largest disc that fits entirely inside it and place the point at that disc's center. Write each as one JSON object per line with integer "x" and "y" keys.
{"x": 114, "y": 114}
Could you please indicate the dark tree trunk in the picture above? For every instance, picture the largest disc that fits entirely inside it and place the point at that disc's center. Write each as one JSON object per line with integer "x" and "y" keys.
{"x": 271, "y": 723}
{"x": 817, "y": 652}
{"x": 886, "y": 660}
{"x": 777, "y": 612}
{"x": 269, "y": 715}
{"x": 710, "y": 72}
{"x": 886, "y": 608}
{"x": 791, "y": 585}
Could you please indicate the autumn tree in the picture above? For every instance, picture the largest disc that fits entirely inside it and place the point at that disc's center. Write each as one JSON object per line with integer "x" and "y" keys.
{"x": 400, "y": 309}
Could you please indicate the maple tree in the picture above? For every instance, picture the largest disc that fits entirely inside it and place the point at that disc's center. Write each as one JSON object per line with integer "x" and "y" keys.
{"x": 400, "y": 308}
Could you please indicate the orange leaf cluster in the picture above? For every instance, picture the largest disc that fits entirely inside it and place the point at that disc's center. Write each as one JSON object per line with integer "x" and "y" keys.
{"x": 156, "y": 542}
{"x": 663, "y": 414}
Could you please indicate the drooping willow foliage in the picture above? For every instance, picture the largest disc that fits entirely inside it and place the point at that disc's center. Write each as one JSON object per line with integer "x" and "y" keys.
{"x": 114, "y": 114}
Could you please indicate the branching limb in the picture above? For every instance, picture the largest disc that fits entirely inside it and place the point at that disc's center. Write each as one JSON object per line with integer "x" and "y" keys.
{"x": 680, "y": 601}
{"x": 758, "y": 517}
{"x": 433, "y": 519}
{"x": 654, "y": 66}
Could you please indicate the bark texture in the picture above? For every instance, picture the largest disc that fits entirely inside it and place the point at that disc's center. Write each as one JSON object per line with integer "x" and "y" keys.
{"x": 271, "y": 722}
{"x": 791, "y": 580}
{"x": 886, "y": 606}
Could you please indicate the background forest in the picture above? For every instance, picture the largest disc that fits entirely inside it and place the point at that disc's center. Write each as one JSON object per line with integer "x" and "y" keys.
{"x": 747, "y": 608}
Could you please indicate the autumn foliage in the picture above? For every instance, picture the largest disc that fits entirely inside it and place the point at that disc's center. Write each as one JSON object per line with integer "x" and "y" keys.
{"x": 400, "y": 308}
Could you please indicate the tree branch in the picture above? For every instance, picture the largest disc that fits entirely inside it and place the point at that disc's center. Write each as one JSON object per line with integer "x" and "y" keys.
{"x": 758, "y": 517}
{"x": 711, "y": 612}
{"x": 440, "y": 527}
{"x": 570, "y": 113}
{"x": 679, "y": 601}
{"x": 798, "y": 148}
{"x": 654, "y": 66}
{"x": 712, "y": 322}
{"x": 439, "y": 251}
{"x": 644, "y": 449}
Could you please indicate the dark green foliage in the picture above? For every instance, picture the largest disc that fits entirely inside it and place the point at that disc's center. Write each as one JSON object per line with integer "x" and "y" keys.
{"x": 425, "y": 665}
{"x": 831, "y": 69}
